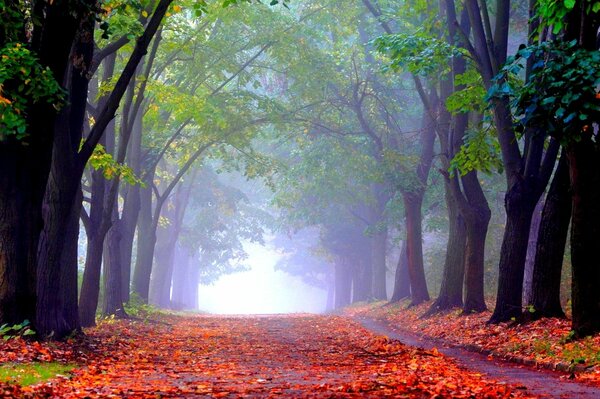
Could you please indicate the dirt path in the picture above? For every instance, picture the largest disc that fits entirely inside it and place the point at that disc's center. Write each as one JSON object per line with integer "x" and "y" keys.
{"x": 299, "y": 356}
{"x": 544, "y": 383}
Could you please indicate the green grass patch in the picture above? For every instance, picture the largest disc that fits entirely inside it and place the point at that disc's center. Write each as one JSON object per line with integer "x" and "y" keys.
{"x": 32, "y": 373}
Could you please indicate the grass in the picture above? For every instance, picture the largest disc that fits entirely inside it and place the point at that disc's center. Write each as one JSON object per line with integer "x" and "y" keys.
{"x": 32, "y": 373}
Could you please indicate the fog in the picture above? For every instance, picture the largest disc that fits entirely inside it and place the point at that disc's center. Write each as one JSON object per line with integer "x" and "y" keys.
{"x": 262, "y": 289}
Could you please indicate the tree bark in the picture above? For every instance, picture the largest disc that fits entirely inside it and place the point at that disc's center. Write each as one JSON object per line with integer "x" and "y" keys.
{"x": 401, "y": 278}
{"x": 536, "y": 219}
{"x": 519, "y": 204}
{"x": 552, "y": 238}
{"x": 451, "y": 289}
{"x": 113, "y": 302}
{"x": 414, "y": 248}
{"x": 584, "y": 172}
{"x": 145, "y": 243}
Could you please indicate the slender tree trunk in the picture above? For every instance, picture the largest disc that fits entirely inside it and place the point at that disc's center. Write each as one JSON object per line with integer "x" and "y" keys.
{"x": 145, "y": 242}
{"x": 401, "y": 278}
{"x": 477, "y": 214}
{"x": 414, "y": 246}
{"x": 584, "y": 171}
{"x": 131, "y": 210}
{"x": 552, "y": 238}
{"x": 378, "y": 253}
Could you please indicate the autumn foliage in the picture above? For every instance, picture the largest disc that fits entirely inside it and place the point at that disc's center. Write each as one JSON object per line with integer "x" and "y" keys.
{"x": 230, "y": 357}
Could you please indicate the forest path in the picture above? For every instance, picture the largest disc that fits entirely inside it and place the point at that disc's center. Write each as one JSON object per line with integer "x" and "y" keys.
{"x": 543, "y": 383}
{"x": 307, "y": 356}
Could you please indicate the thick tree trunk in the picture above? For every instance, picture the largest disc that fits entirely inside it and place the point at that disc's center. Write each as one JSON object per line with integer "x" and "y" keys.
{"x": 519, "y": 204}
{"x": 69, "y": 266}
{"x": 451, "y": 289}
{"x": 584, "y": 172}
{"x": 401, "y": 278}
{"x": 414, "y": 246}
{"x": 19, "y": 215}
{"x": 343, "y": 283}
{"x": 552, "y": 238}
{"x": 59, "y": 203}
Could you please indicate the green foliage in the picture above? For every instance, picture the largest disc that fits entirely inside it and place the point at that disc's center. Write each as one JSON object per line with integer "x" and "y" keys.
{"x": 561, "y": 95}
{"x": 101, "y": 160}
{"x": 471, "y": 97}
{"x": 480, "y": 151}
{"x": 138, "y": 308}
{"x": 32, "y": 373}
{"x": 417, "y": 53}
{"x": 553, "y": 12}
{"x": 23, "y": 82}
{"x": 17, "y": 330}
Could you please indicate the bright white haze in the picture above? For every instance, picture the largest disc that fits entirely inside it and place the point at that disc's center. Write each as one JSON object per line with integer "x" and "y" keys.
{"x": 261, "y": 290}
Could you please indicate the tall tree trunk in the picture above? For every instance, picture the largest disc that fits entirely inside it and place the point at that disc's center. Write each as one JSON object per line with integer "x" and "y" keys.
{"x": 181, "y": 274}
{"x": 343, "y": 283}
{"x": 531, "y": 249}
{"x": 378, "y": 253}
{"x": 69, "y": 266}
{"x": 519, "y": 203}
{"x": 361, "y": 279}
{"x": 401, "y": 278}
{"x": 414, "y": 248}
{"x": 451, "y": 289}
{"x": 552, "y": 238}
{"x": 113, "y": 302}
{"x": 131, "y": 209}
{"x": 477, "y": 214}
{"x": 584, "y": 171}
{"x": 145, "y": 242}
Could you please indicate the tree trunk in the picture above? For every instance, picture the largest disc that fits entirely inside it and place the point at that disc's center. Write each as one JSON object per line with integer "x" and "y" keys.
{"x": 113, "y": 303}
{"x": 145, "y": 243}
{"x": 401, "y": 278}
{"x": 552, "y": 238}
{"x": 451, "y": 290}
{"x": 584, "y": 172}
{"x": 477, "y": 214}
{"x": 69, "y": 267}
{"x": 519, "y": 204}
{"x": 181, "y": 274}
{"x": 414, "y": 248}
{"x": 531, "y": 249}
{"x": 378, "y": 253}
{"x": 361, "y": 279}
{"x": 343, "y": 283}
{"x": 131, "y": 210}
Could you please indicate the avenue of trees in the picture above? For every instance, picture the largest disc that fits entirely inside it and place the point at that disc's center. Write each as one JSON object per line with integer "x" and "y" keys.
{"x": 398, "y": 143}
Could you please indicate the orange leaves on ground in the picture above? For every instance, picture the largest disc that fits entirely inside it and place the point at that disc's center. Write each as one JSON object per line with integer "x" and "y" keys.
{"x": 544, "y": 340}
{"x": 268, "y": 356}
